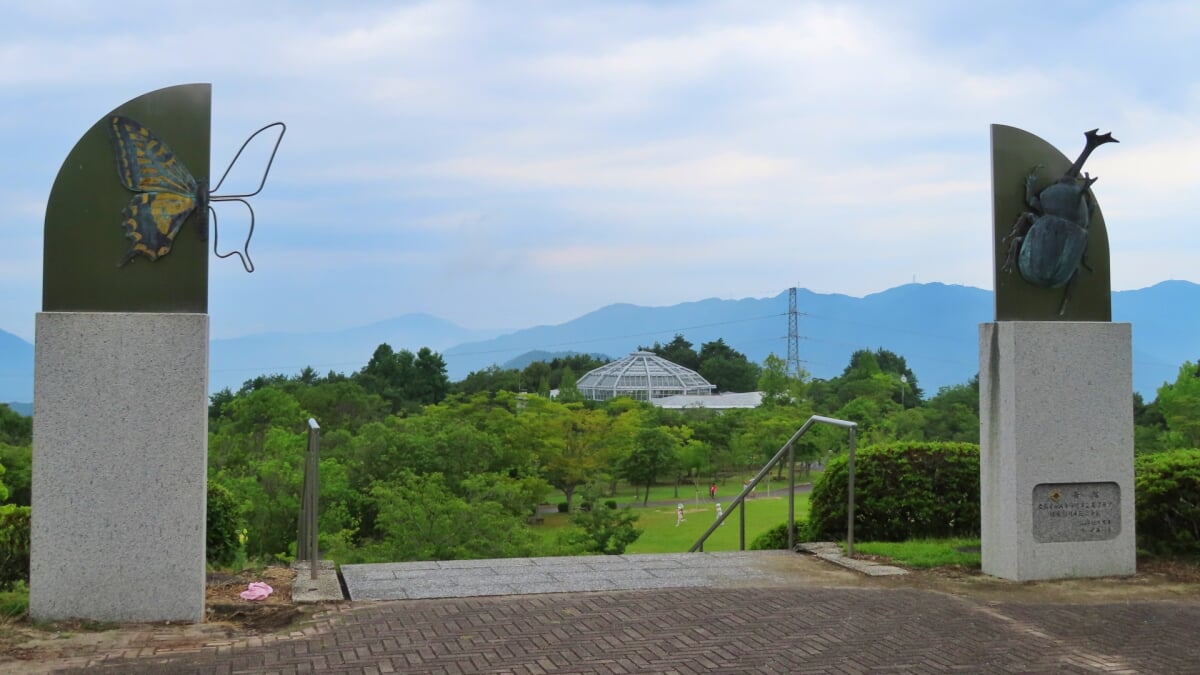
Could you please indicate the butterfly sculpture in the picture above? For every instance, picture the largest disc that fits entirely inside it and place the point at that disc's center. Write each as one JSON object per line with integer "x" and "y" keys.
{"x": 167, "y": 193}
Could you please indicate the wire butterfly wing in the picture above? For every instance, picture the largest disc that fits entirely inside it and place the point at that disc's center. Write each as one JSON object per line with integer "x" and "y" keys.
{"x": 244, "y": 254}
{"x": 167, "y": 191}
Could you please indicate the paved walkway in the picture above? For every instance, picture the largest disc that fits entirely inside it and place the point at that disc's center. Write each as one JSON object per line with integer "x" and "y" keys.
{"x": 525, "y": 576}
{"x": 796, "y": 614}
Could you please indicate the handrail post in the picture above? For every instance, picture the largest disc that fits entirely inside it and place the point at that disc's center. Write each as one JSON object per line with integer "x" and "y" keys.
{"x": 791, "y": 458}
{"x": 788, "y": 451}
{"x": 308, "y": 517}
{"x": 850, "y": 505}
{"x": 742, "y": 527}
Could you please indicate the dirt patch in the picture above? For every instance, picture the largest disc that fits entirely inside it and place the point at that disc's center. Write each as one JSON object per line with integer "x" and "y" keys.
{"x": 1156, "y": 579}
{"x": 227, "y": 615}
{"x": 224, "y": 603}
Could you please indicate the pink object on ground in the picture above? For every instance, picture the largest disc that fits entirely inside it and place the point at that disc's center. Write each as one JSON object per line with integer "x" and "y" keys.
{"x": 257, "y": 591}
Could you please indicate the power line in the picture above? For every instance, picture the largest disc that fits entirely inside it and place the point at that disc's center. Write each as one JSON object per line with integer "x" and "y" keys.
{"x": 668, "y": 331}
{"x": 617, "y": 337}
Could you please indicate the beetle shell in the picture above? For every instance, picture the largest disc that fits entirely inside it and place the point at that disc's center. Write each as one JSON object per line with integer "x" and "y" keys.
{"x": 1052, "y": 233}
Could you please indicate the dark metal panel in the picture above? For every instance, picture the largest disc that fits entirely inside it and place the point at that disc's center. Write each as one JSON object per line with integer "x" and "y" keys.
{"x": 1015, "y": 153}
{"x": 84, "y": 237}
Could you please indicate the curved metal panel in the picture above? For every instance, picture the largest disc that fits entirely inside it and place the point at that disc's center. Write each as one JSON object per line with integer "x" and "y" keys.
{"x": 1015, "y": 153}
{"x": 84, "y": 237}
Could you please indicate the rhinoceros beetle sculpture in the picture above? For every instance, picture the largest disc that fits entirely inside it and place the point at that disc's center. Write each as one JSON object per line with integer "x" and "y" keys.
{"x": 1048, "y": 242}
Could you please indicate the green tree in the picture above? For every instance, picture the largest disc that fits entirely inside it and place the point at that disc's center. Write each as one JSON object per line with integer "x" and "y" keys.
{"x": 420, "y": 518}
{"x": 894, "y": 364}
{"x": 404, "y": 380}
{"x": 953, "y": 413}
{"x": 17, "y": 461}
{"x": 535, "y": 374}
{"x": 604, "y": 531}
{"x": 678, "y": 351}
{"x": 568, "y": 389}
{"x": 430, "y": 384}
{"x": 15, "y": 428}
{"x": 778, "y": 386}
{"x": 217, "y": 404}
{"x": 695, "y": 461}
{"x": 268, "y": 491}
{"x": 1179, "y": 404}
{"x": 568, "y": 441}
{"x": 340, "y": 405}
{"x": 491, "y": 379}
{"x": 518, "y": 496}
{"x": 652, "y": 453}
{"x": 1149, "y": 427}
{"x": 727, "y": 368}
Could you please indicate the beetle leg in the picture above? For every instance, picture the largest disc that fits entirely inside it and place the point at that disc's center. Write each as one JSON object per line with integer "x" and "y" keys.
{"x": 1062, "y": 309}
{"x": 1015, "y": 238}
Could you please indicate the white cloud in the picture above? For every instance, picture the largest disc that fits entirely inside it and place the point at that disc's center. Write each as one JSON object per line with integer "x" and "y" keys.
{"x": 462, "y": 157}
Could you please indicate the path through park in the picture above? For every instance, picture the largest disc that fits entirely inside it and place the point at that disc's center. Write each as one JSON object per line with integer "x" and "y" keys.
{"x": 787, "y": 613}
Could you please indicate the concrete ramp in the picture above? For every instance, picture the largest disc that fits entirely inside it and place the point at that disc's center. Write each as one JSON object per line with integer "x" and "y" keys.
{"x": 526, "y": 576}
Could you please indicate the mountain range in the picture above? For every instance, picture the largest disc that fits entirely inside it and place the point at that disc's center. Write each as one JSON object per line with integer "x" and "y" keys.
{"x": 933, "y": 326}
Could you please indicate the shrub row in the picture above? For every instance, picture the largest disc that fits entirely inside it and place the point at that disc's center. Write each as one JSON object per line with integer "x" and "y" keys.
{"x": 1168, "y": 502}
{"x": 931, "y": 490}
{"x": 902, "y": 491}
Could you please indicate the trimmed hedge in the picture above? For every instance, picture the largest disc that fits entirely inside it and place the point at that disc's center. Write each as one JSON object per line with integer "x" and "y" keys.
{"x": 14, "y": 545}
{"x": 903, "y": 490}
{"x": 776, "y": 538}
{"x": 1167, "y": 494}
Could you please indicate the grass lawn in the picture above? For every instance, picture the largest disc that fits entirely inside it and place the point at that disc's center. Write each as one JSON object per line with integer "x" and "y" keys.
{"x": 688, "y": 493}
{"x": 660, "y": 535}
{"x": 925, "y": 553}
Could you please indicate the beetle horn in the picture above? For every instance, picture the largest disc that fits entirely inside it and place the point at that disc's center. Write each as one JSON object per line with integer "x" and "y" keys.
{"x": 1094, "y": 140}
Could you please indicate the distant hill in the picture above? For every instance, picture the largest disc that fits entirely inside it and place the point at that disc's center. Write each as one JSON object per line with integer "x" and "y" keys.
{"x": 235, "y": 360}
{"x": 934, "y": 326}
{"x": 520, "y": 362}
{"x": 16, "y": 368}
{"x": 1166, "y": 331}
{"x": 25, "y": 409}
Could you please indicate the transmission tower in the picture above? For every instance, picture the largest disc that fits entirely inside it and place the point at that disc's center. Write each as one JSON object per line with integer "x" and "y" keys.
{"x": 793, "y": 361}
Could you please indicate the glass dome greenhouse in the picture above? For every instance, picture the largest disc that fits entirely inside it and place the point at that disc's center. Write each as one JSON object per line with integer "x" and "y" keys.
{"x": 643, "y": 376}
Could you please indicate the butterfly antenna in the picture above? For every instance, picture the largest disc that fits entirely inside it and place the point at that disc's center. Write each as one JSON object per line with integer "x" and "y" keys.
{"x": 247, "y": 263}
{"x": 266, "y": 171}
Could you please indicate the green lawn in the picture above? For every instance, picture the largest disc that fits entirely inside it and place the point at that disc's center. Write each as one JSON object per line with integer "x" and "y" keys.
{"x": 925, "y": 552}
{"x": 688, "y": 492}
{"x": 660, "y": 535}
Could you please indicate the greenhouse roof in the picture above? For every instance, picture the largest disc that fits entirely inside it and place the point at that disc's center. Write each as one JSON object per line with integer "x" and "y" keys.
{"x": 643, "y": 376}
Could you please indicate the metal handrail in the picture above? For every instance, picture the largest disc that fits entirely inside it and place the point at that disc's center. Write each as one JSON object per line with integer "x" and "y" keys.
{"x": 306, "y": 547}
{"x": 788, "y": 450}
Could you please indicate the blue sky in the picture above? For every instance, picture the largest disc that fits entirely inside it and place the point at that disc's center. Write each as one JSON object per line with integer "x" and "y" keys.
{"x": 507, "y": 164}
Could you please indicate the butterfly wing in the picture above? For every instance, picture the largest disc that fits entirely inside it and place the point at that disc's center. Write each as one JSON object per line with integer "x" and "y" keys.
{"x": 151, "y": 221}
{"x": 144, "y": 162}
{"x": 168, "y": 191}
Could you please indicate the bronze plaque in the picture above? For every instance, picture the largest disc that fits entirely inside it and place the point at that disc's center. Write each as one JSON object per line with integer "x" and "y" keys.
{"x": 1076, "y": 512}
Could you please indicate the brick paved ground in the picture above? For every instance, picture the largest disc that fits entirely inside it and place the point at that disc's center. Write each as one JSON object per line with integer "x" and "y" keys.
{"x": 723, "y": 630}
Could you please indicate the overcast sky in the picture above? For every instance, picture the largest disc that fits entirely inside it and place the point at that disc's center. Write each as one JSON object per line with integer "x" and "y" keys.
{"x": 507, "y": 164}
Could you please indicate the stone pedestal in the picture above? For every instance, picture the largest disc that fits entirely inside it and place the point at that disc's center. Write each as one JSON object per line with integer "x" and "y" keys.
{"x": 1056, "y": 449}
{"x": 120, "y": 447}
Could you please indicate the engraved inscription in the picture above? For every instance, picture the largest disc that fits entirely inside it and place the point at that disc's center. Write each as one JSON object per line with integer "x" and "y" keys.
{"x": 1076, "y": 512}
